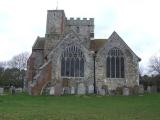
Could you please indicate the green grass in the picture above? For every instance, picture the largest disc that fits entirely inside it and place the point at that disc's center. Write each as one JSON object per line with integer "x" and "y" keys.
{"x": 24, "y": 107}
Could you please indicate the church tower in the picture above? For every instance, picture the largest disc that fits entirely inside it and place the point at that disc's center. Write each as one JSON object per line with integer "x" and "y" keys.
{"x": 54, "y": 29}
{"x": 55, "y": 22}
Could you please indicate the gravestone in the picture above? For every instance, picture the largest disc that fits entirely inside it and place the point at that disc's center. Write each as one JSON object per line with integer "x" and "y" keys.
{"x": 66, "y": 90}
{"x": 125, "y": 91}
{"x": 81, "y": 89}
{"x": 102, "y": 91}
{"x": 51, "y": 92}
{"x": 140, "y": 89}
{"x": 153, "y": 89}
{"x": 19, "y": 90}
{"x": 149, "y": 89}
{"x": 72, "y": 90}
{"x": 90, "y": 89}
{"x": 135, "y": 90}
{"x": 1, "y": 91}
{"x": 58, "y": 89}
{"x": 13, "y": 90}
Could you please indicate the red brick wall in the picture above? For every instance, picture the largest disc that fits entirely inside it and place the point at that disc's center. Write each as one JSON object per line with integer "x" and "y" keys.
{"x": 43, "y": 79}
{"x": 30, "y": 68}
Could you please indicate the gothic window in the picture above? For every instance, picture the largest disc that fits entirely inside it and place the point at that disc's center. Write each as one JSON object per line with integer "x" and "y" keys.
{"x": 115, "y": 64}
{"x": 72, "y": 62}
{"x": 63, "y": 67}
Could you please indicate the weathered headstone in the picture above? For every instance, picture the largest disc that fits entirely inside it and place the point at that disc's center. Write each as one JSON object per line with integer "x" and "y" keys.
{"x": 81, "y": 89}
{"x": 66, "y": 90}
{"x": 153, "y": 89}
{"x": 125, "y": 91}
{"x": 1, "y": 91}
{"x": 51, "y": 92}
{"x": 140, "y": 89}
{"x": 105, "y": 88}
{"x": 13, "y": 90}
{"x": 149, "y": 89}
{"x": 90, "y": 89}
{"x": 19, "y": 90}
{"x": 72, "y": 90}
{"x": 102, "y": 91}
{"x": 58, "y": 89}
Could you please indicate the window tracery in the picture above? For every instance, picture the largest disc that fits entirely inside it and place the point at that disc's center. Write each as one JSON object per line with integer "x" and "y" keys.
{"x": 72, "y": 62}
{"x": 115, "y": 64}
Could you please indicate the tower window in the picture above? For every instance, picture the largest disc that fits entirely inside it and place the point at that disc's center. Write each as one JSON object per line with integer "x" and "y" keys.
{"x": 77, "y": 30}
{"x": 92, "y": 35}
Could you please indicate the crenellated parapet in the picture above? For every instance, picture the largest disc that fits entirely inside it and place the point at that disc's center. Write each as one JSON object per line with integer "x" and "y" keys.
{"x": 80, "y": 22}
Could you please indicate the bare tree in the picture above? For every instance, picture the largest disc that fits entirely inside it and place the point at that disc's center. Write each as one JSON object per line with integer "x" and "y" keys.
{"x": 155, "y": 65}
{"x": 19, "y": 61}
{"x": 3, "y": 64}
{"x": 141, "y": 70}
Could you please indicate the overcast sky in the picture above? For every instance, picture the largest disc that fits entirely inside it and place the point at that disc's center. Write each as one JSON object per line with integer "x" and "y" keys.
{"x": 136, "y": 21}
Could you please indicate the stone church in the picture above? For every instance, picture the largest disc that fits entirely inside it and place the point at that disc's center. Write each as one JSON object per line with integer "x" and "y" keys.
{"x": 69, "y": 60}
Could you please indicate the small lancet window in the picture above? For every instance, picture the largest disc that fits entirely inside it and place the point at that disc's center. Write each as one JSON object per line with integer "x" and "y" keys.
{"x": 77, "y": 30}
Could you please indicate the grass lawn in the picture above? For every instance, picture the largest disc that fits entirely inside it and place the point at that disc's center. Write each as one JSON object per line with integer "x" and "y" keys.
{"x": 24, "y": 107}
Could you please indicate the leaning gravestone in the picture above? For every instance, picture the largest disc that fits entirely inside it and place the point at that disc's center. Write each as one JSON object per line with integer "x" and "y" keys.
{"x": 81, "y": 89}
{"x": 1, "y": 91}
{"x": 125, "y": 91}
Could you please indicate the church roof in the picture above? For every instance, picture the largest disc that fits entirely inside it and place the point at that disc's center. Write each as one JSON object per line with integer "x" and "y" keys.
{"x": 96, "y": 44}
{"x": 39, "y": 43}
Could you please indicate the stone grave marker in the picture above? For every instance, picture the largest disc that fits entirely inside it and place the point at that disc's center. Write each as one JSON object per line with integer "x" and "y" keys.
{"x": 81, "y": 89}
{"x": 140, "y": 89}
{"x": 125, "y": 91}
{"x": 51, "y": 92}
{"x": 102, "y": 91}
{"x": 66, "y": 90}
{"x": 1, "y": 91}
{"x": 90, "y": 89}
{"x": 153, "y": 89}
{"x": 58, "y": 89}
{"x": 72, "y": 90}
{"x": 19, "y": 90}
{"x": 149, "y": 89}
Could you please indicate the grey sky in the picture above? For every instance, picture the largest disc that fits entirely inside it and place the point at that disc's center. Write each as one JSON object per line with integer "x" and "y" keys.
{"x": 136, "y": 21}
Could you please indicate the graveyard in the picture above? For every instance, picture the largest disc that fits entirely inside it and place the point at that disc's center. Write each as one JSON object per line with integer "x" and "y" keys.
{"x": 21, "y": 106}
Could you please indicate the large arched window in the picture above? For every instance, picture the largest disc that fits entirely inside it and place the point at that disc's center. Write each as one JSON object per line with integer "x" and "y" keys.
{"x": 115, "y": 64}
{"x": 72, "y": 62}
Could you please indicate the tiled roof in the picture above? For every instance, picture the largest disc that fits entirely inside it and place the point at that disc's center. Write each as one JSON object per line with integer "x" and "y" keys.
{"x": 39, "y": 43}
{"x": 96, "y": 44}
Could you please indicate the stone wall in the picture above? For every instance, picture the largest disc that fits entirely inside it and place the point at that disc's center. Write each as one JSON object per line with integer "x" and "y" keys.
{"x": 58, "y": 26}
{"x": 55, "y": 21}
{"x": 84, "y": 29}
{"x": 131, "y": 65}
{"x": 56, "y": 64}
{"x": 61, "y": 33}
